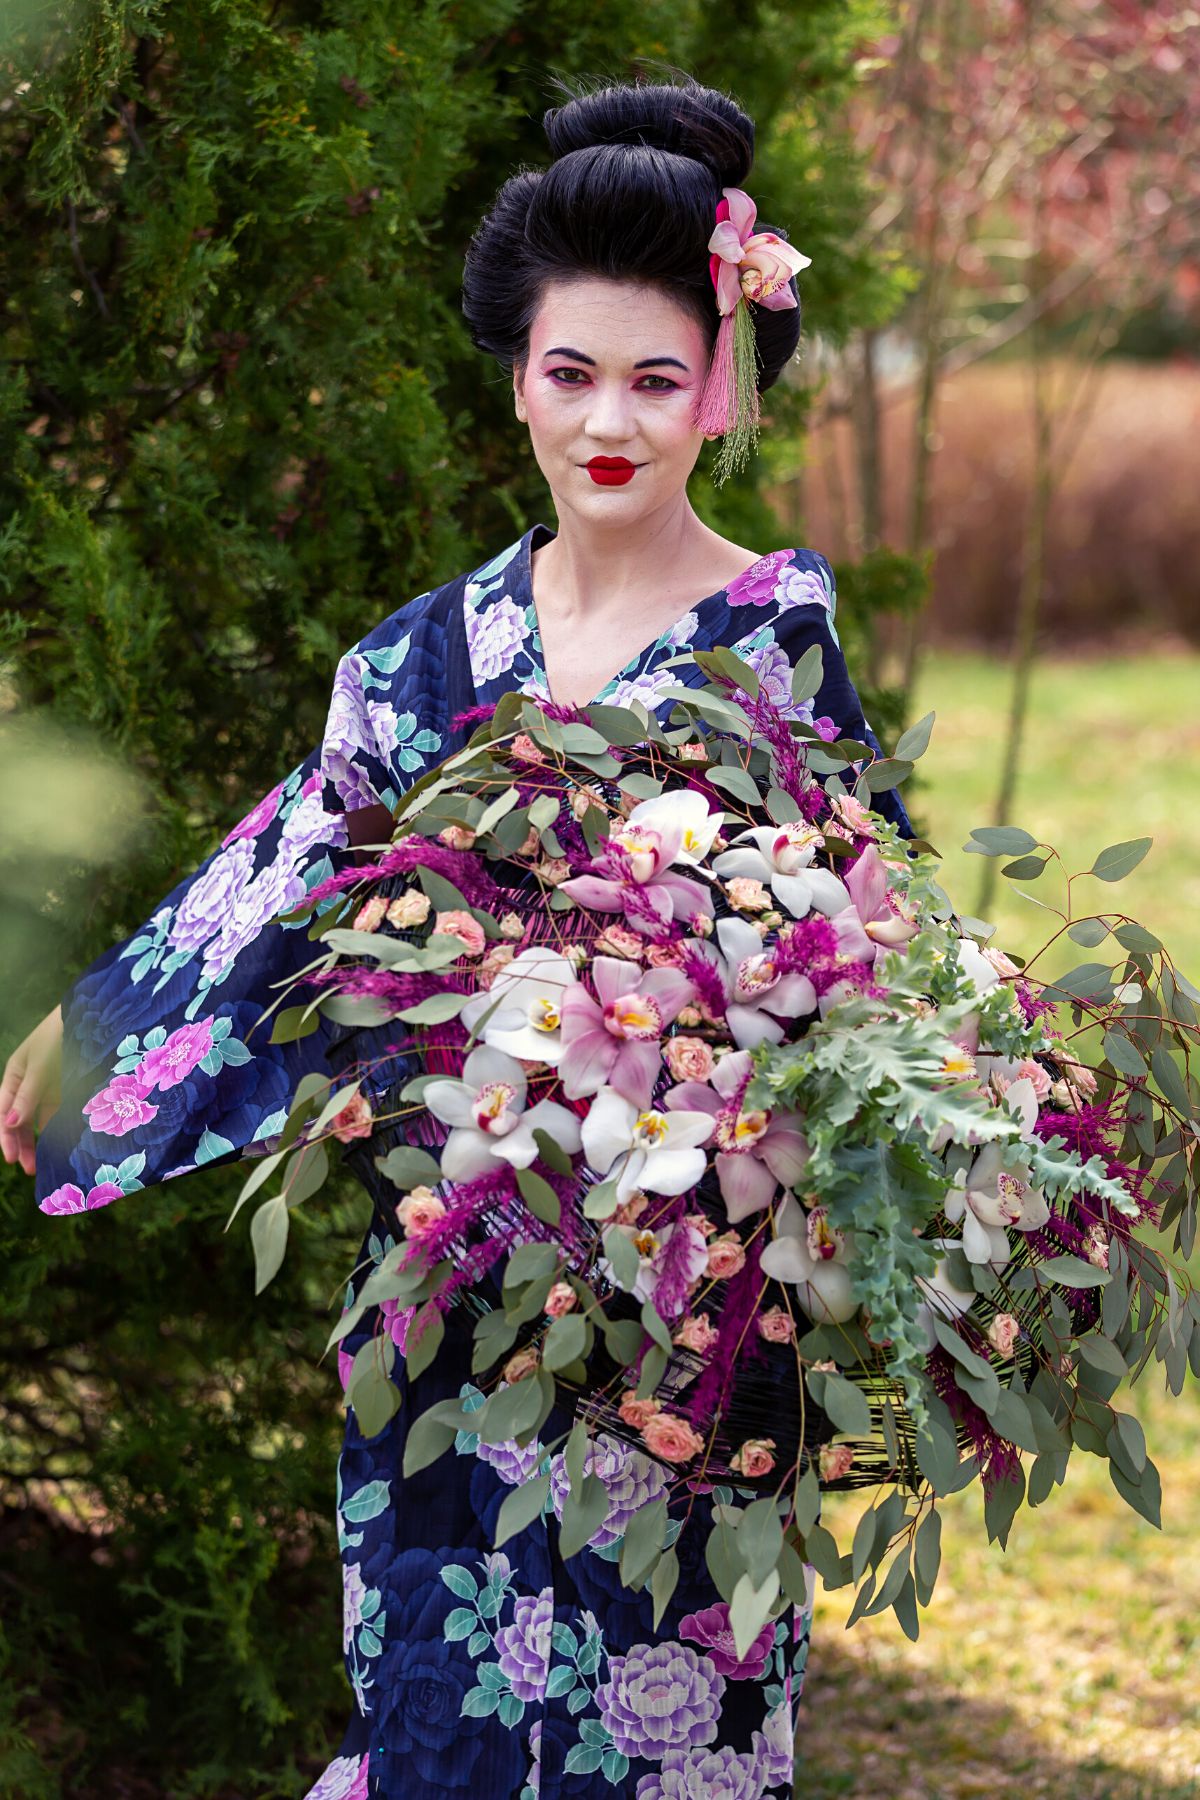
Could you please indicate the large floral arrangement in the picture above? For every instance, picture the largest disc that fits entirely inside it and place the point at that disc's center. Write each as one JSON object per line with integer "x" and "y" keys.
{"x": 742, "y": 1145}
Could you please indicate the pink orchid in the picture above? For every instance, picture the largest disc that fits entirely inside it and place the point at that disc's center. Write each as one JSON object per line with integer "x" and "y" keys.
{"x": 756, "y": 264}
{"x": 756, "y": 1150}
{"x": 757, "y": 996}
{"x": 614, "y": 1039}
{"x": 872, "y": 924}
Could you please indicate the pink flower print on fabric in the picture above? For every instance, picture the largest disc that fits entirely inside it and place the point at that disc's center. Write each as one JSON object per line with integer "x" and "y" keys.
{"x": 758, "y": 584}
{"x": 712, "y": 1629}
{"x": 396, "y": 1321}
{"x": 495, "y": 635}
{"x": 523, "y": 1648}
{"x": 120, "y": 1107}
{"x": 183, "y": 1051}
{"x": 658, "y": 1698}
{"x": 722, "y": 1774}
{"x": 257, "y": 819}
{"x": 344, "y": 1779}
{"x": 71, "y": 1199}
{"x": 209, "y": 901}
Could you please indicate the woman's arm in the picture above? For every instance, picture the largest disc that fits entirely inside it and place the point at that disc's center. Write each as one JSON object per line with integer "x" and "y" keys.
{"x": 30, "y": 1090}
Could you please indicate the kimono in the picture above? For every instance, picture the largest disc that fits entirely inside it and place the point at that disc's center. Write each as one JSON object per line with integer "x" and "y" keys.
{"x": 513, "y": 1673}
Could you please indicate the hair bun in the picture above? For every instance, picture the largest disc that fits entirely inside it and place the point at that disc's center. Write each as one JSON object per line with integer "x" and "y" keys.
{"x": 684, "y": 119}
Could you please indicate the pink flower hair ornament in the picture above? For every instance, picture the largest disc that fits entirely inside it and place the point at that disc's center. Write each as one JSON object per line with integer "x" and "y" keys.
{"x": 745, "y": 266}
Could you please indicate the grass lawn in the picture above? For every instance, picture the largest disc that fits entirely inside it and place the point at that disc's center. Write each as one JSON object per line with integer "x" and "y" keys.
{"x": 1063, "y": 1667}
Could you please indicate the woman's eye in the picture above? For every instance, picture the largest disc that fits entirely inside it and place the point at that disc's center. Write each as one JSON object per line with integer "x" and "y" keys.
{"x": 566, "y": 378}
{"x": 667, "y": 384}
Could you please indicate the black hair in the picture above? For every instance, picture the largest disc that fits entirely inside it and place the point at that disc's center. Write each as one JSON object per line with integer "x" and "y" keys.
{"x": 631, "y": 195}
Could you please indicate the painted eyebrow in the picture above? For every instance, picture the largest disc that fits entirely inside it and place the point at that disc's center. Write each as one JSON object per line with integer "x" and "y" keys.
{"x": 648, "y": 362}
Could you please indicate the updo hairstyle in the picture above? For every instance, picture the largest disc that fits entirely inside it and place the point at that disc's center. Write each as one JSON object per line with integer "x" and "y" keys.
{"x": 631, "y": 195}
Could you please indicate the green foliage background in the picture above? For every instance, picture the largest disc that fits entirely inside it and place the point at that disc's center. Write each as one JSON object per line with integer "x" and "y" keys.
{"x": 241, "y": 421}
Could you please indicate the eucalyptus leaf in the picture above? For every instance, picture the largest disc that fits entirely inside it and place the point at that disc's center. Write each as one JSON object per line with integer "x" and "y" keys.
{"x": 521, "y": 1507}
{"x": 1114, "y": 863}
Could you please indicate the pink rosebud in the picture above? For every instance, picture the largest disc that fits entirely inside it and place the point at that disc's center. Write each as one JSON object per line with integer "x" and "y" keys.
{"x": 371, "y": 914}
{"x": 1032, "y": 1071}
{"x": 619, "y": 941}
{"x": 1003, "y": 965}
{"x": 457, "y": 837}
{"x": 834, "y": 1461}
{"x": 1080, "y": 1077}
{"x": 689, "y": 1058}
{"x": 355, "y": 1120}
{"x": 776, "y": 1326}
{"x": 554, "y": 870}
{"x": 1003, "y": 1333}
{"x": 826, "y": 1366}
{"x": 688, "y": 1015}
{"x": 697, "y": 1333}
{"x": 745, "y": 894}
{"x": 561, "y": 1299}
{"x": 522, "y": 1365}
{"x": 700, "y": 1222}
{"x": 632, "y": 1210}
{"x": 665, "y": 956}
{"x": 692, "y": 752}
{"x": 671, "y": 1439}
{"x": 496, "y": 959}
{"x": 754, "y": 1458}
{"x": 420, "y": 1211}
{"x": 583, "y": 799}
{"x": 409, "y": 910}
{"x": 512, "y": 926}
{"x": 725, "y": 1256}
{"x": 461, "y": 925}
{"x": 1095, "y": 1246}
{"x": 701, "y": 925}
{"x": 635, "y": 1412}
{"x": 1065, "y": 1097}
{"x": 853, "y": 815}
{"x": 525, "y": 750}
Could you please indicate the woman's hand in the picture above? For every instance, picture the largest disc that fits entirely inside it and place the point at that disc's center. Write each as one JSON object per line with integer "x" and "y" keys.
{"x": 31, "y": 1089}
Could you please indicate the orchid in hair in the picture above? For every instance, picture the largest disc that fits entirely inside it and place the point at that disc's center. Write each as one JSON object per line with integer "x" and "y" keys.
{"x": 745, "y": 266}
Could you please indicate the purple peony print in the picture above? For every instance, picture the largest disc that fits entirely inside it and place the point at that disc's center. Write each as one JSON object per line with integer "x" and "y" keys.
{"x": 682, "y": 631}
{"x": 354, "y": 1590}
{"x": 344, "y": 1779}
{"x": 495, "y": 635}
{"x": 802, "y": 587}
{"x": 774, "y": 1750}
{"x": 774, "y": 672}
{"x": 71, "y": 1199}
{"x": 632, "y": 1480}
{"x": 512, "y": 1464}
{"x": 349, "y": 731}
{"x": 167, "y": 1066}
{"x": 523, "y": 1648}
{"x": 712, "y": 1629}
{"x": 210, "y": 899}
{"x": 660, "y": 1697}
{"x": 274, "y": 890}
{"x": 722, "y": 1774}
{"x": 757, "y": 586}
{"x": 120, "y": 1107}
{"x": 647, "y": 689}
{"x": 308, "y": 824}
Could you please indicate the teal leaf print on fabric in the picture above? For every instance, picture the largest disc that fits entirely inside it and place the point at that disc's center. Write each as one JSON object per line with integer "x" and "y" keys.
{"x": 211, "y": 1145}
{"x": 368, "y": 1502}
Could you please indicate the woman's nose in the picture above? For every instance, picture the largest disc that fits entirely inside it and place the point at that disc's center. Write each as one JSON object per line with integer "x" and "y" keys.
{"x": 610, "y": 413}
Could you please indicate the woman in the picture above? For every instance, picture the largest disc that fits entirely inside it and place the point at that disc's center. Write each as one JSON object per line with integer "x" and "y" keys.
{"x": 514, "y": 1673}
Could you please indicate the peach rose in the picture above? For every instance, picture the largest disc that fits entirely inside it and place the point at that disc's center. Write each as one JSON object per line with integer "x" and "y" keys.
{"x": 525, "y": 750}
{"x": 457, "y": 837}
{"x": 632, "y": 1210}
{"x": 697, "y": 1333}
{"x": 371, "y": 914}
{"x": 523, "y": 1364}
{"x": 637, "y": 1413}
{"x": 745, "y": 894}
{"x": 1003, "y": 1333}
{"x": 1080, "y": 1077}
{"x": 1033, "y": 1071}
{"x": 561, "y": 1299}
{"x": 726, "y": 1256}
{"x": 355, "y": 1120}
{"x": 1003, "y": 965}
{"x": 834, "y": 1461}
{"x": 754, "y": 1458}
{"x": 689, "y": 1058}
{"x": 776, "y": 1326}
{"x": 553, "y": 870}
{"x": 410, "y": 910}
{"x": 1095, "y": 1246}
{"x": 701, "y": 925}
{"x": 512, "y": 926}
{"x": 671, "y": 1439}
{"x": 496, "y": 959}
{"x": 826, "y": 1366}
{"x": 1065, "y": 1097}
{"x": 853, "y": 814}
{"x": 584, "y": 798}
{"x": 420, "y": 1211}
{"x": 461, "y": 925}
{"x": 700, "y": 1222}
{"x": 619, "y": 941}
{"x": 665, "y": 956}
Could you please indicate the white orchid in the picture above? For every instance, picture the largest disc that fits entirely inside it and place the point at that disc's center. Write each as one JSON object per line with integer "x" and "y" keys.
{"x": 810, "y": 1255}
{"x": 757, "y": 996}
{"x": 658, "y": 1152}
{"x": 489, "y": 1121}
{"x": 521, "y": 1013}
{"x": 672, "y": 828}
{"x": 942, "y": 1296}
{"x": 780, "y": 857}
{"x": 996, "y": 1192}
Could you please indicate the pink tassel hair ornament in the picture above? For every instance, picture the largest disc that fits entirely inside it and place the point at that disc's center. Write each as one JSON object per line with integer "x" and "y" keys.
{"x": 745, "y": 266}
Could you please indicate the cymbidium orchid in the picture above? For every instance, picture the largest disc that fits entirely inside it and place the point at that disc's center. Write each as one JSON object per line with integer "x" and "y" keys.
{"x": 780, "y": 856}
{"x": 521, "y": 1013}
{"x": 615, "y": 1038}
{"x": 941, "y": 1295}
{"x": 489, "y": 1121}
{"x": 756, "y": 264}
{"x": 655, "y": 1151}
{"x": 633, "y": 873}
{"x": 757, "y": 996}
{"x": 996, "y": 1192}
{"x": 756, "y": 1150}
{"x": 810, "y": 1255}
{"x": 651, "y": 1246}
{"x": 874, "y": 922}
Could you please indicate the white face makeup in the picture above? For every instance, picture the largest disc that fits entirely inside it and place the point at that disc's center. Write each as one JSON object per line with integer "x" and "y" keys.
{"x": 614, "y": 373}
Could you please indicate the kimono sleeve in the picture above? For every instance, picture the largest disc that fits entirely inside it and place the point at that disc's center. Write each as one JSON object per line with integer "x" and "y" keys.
{"x": 166, "y": 1060}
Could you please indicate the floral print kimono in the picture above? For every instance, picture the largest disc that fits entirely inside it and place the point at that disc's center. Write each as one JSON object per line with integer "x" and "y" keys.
{"x": 512, "y": 1674}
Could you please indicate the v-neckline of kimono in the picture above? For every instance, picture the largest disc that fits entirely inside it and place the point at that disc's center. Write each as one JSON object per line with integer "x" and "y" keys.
{"x": 546, "y": 536}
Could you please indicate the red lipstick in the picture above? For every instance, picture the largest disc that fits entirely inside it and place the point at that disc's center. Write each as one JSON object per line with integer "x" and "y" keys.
{"x": 611, "y": 471}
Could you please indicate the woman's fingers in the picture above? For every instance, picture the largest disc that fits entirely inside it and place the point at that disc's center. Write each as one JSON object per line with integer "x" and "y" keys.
{"x": 11, "y": 1112}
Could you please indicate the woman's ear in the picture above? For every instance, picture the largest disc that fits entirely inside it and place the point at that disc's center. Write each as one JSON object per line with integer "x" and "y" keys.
{"x": 519, "y": 393}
